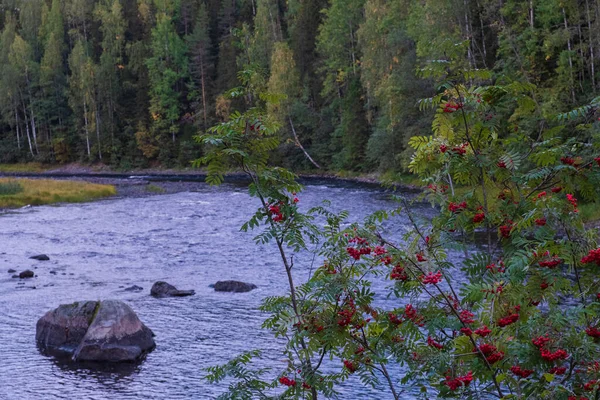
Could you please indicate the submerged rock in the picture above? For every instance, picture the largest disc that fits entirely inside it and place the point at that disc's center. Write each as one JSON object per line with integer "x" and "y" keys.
{"x": 134, "y": 288}
{"x": 12, "y": 271}
{"x": 163, "y": 289}
{"x": 233, "y": 286}
{"x": 26, "y": 274}
{"x": 105, "y": 331}
{"x": 40, "y": 257}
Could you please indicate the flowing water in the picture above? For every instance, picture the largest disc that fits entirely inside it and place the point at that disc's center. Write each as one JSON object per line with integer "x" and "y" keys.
{"x": 189, "y": 239}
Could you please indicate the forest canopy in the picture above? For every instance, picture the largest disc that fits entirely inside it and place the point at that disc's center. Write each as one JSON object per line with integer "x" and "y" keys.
{"x": 130, "y": 83}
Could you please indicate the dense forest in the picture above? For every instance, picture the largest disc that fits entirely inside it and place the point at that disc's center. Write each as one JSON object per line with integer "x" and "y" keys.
{"x": 130, "y": 83}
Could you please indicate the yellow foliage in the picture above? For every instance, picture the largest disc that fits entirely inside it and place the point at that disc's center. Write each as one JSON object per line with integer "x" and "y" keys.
{"x": 48, "y": 191}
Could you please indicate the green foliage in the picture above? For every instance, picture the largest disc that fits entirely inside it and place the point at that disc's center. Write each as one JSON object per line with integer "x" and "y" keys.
{"x": 491, "y": 176}
{"x": 10, "y": 187}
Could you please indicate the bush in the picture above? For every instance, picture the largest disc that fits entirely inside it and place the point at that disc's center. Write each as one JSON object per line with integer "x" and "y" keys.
{"x": 525, "y": 325}
{"x": 10, "y": 188}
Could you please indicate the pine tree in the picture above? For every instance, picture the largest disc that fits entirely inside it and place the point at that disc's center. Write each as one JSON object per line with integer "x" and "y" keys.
{"x": 109, "y": 14}
{"x": 167, "y": 68}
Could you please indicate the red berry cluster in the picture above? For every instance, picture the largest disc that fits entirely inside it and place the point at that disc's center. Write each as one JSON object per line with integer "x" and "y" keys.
{"x": 466, "y": 317}
{"x": 591, "y": 385}
{"x": 520, "y": 372}
{"x": 510, "y": 319}
{"x": 451, "y": 107}
{"x": 434, "y": 344}
{"x": 483, "y": 331}
{"x": 459, "y": 381}
{"x": 350, "y": 365}
{"x": 410, "y": 313}
{"x": 556, "y": 189}
{"x": 346, "y": 313}
{"x": 284, "y": 380}
{"x": 550, "y": 263}
{"x": 394, "y": 319}
{"x": 490, "y": 352}
{"x": 559, "y": 354}
{"x": 461, "y": 149}
{"x": 466, "y": 331}
{"x": 436, "y": 188}
{"x": 571, "y": 199}
{"x": 356, "y": 253}
{"x": 399, "y": 274}
{"x": 501, "y": 164}
{"x": 505, "y": 229}
{"x": 457, "y": 208}
{"x": 567, "y": 160}
{"x": 496, "y": 269}
{"x": 275, "y": 212}
{"x": 557, "y": 370}
{"x": 431, "y": 278}
{"x": 540, "y": 341}
{"x": 477, "y": 218}
{"x": 593, "y": 332}
{"x": 592, "y": 257}
{"x": 540, "y": 221}
{"x": 420, "y": 257}
{"x": 379, "y": 250}
{"x": 541, "y": 194}
{"x": 443, "y": 148}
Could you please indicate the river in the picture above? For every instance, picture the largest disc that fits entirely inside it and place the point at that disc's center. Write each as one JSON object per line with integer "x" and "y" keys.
{"x": 190, "y": 239}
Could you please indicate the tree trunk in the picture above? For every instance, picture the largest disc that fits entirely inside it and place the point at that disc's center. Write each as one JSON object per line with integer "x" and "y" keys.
{"x": 353, "y": 51}
{"x": 27, "y": 129}
{"x": 33, "y": 128}
{"x": 591, "y": 44}
{"x": 570, "y": 59}
{"x": 482, "y": 35}
{"x": 87, "y": 132}
{"x": 203, "y": 90}
{"x": 469, "y": 36}
{"x": 531, "y": 14}
{"x": 300, "y": 145}
{"x": 97, "y": 118}
{"x": 17, "y": 123}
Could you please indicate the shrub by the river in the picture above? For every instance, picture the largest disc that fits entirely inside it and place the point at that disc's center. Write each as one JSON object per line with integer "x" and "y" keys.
{"x": 10, "y": 187}
{"x": 525, "y": 323}
{"x": 47, "y": 191}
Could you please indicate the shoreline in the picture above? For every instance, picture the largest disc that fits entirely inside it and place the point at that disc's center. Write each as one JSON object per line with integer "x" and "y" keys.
{"x": 103, "y": 171}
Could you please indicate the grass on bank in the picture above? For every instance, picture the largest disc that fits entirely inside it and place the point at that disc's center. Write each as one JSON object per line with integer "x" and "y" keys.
{"x": 21, "y": 192}
{"x": 23, "y": 168}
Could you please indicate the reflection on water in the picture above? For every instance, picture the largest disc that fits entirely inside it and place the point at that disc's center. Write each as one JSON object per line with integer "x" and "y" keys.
{"x": 190, "y": 240}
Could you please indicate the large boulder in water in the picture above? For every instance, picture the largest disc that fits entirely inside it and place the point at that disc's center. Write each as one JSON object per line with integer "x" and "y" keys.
{"x": 107, "y": 331}
{"x": 40, "y": 257}
{"x": 233, "y": 286}
{"x": 163, "y": 289}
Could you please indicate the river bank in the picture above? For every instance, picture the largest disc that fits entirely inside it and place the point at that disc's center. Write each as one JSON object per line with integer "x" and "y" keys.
{"x": 101, "y": 170}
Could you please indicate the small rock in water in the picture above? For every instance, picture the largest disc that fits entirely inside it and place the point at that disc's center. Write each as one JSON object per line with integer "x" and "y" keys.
{"x": 163, "y": 289}
{"x": 15, "y": 276}
{"x": 133, "y": 288}
{"x": 12, "y": 271}
{"x": 233, "y": 286}
{"x": 53, "y": 272}
{"x": 40, "y": 257}
{"x": 26, "y": 274}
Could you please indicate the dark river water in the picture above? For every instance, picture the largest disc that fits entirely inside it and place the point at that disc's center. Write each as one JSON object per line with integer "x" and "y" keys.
{"x": 189, "y": 239}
